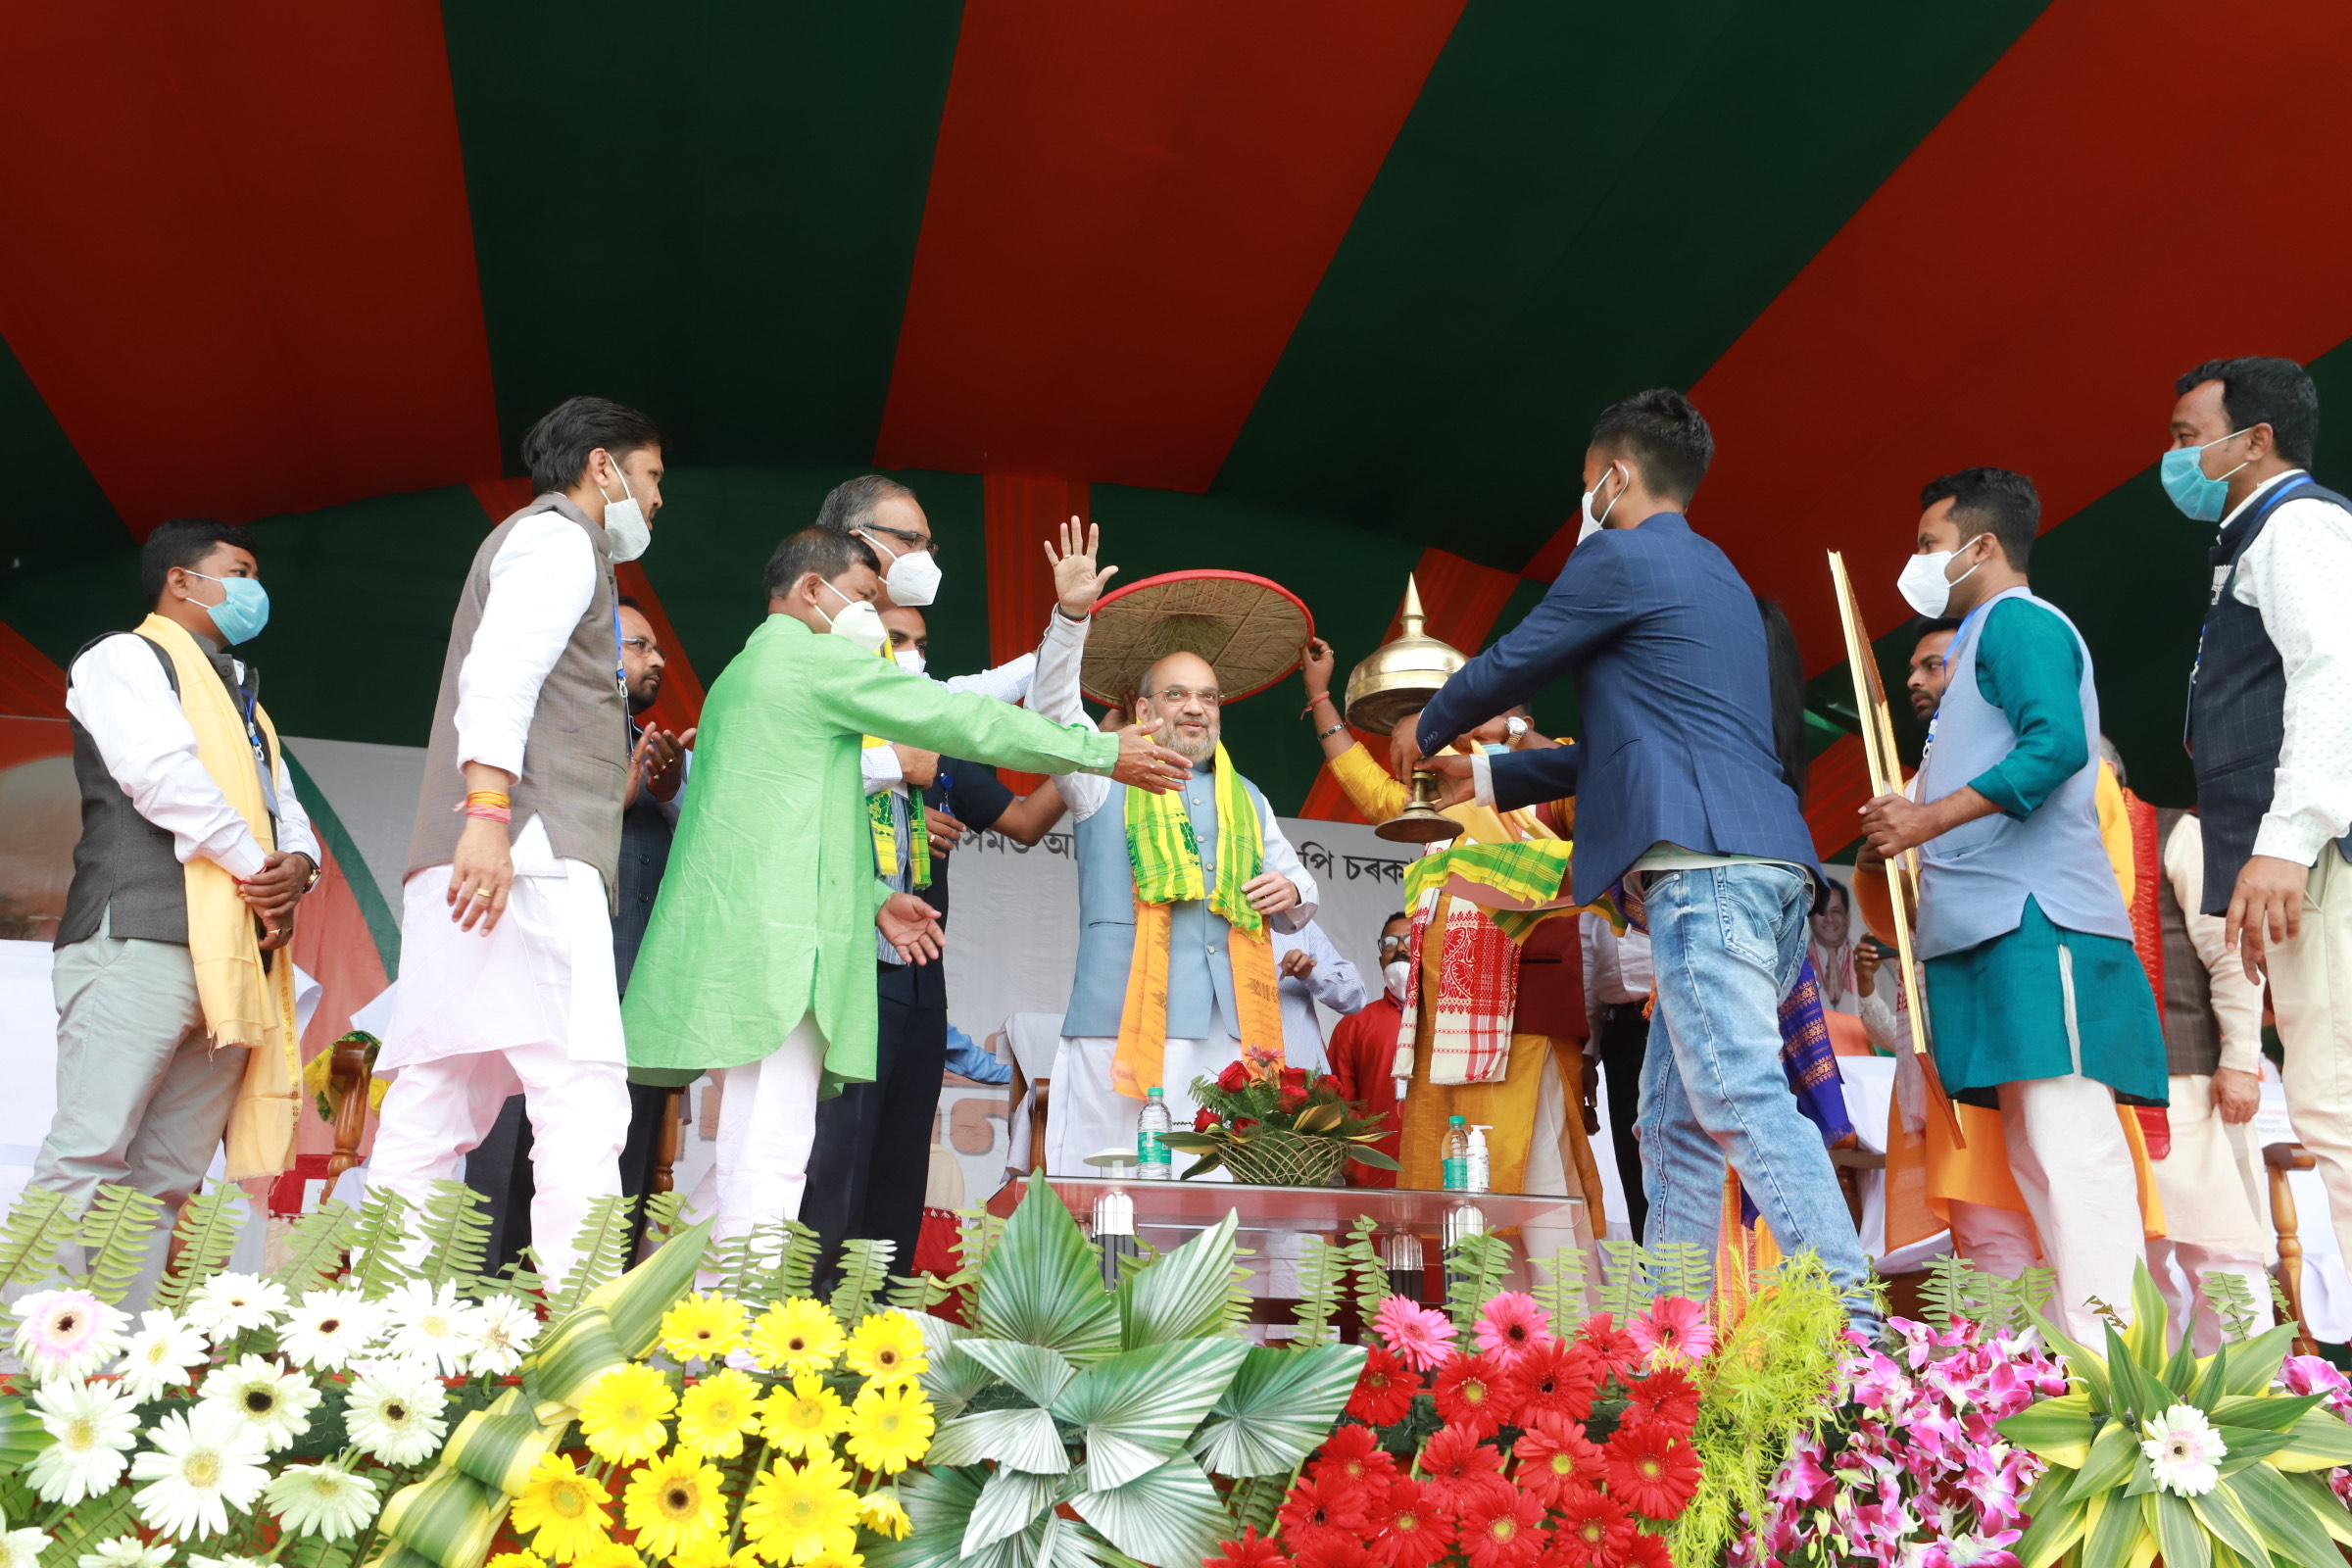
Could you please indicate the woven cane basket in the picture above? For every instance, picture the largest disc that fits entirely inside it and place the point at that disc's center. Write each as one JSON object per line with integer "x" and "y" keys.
{"x": 1288, "y": 1160}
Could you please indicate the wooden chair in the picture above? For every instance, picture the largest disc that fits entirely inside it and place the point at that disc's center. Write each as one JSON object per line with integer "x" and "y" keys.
{"x": 2282, "y": 1159}
{"x": 351, "y": 1079}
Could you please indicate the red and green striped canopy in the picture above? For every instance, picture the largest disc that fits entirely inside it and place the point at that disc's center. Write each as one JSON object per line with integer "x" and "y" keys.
{"x": 1327, "y": 290}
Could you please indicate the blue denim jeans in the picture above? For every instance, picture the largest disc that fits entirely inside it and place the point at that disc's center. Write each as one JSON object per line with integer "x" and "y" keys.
{"x": 1727, "y": 943}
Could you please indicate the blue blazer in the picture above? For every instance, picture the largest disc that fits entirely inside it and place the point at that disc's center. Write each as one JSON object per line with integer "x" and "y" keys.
{"x": 1667, "y": 651}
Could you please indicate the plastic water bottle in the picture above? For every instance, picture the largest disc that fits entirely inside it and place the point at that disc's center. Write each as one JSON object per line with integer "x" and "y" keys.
{"x": 1457, "y": 1156}
{"x": 1482, "y": 1169}
{"x": 1151, "y": 1155}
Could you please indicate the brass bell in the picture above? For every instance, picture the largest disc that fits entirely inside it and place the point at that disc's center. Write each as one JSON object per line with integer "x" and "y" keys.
{"x": 1394, "y": 682}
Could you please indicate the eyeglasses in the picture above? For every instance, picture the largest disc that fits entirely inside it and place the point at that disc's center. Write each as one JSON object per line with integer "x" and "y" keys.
{"x": 644, "y": 645}
{"x": 1178, "y": 695}
{"x": 1386, "y": 944}
{"x": 904, "y": 536}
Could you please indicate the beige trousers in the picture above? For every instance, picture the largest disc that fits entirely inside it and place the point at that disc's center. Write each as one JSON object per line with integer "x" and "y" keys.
{"x": 2311, "y": 990}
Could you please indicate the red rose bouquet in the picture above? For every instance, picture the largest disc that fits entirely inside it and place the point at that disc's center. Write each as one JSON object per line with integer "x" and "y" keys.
{"x": 1291, "y": 1129}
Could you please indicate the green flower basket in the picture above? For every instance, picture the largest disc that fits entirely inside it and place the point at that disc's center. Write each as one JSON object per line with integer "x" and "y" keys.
{"x": 1275, "y": 1159}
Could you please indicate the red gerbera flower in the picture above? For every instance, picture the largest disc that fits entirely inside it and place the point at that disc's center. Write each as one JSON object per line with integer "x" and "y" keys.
{"x": 1247, "y": 1552}
{"x": 1473, "y": 1392}
{"x": 1502, "y": 1530}
{"x": 1592, "y": 1530}
{"x": 1646, "y": 1551}
{"x": 1409, "y": 1529}
{"x": 1323, "y": 1504}
{"x": 1384, "y": 1391}
{"x": 1653, "y": 1470}
{"x": 1611, "y": 1347}
{"x": 1555, "y": 1454}
{"x": 1355, "y": 1452}
{"x": 1332, "y": 1550}
{"x": 1559, "y": 1380}
{"x": 1665, "y": 1397}
{"x": 1459, "y": 1467}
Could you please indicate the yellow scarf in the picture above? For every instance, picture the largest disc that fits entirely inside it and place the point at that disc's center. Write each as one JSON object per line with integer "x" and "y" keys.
{"x": 1167, "y": 863}
{"x": 243, "y": 1004}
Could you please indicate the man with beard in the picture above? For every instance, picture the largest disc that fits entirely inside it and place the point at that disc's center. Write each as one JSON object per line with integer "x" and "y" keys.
{"x": 500, "y": 1166}
{"x": 1175, "y": 976}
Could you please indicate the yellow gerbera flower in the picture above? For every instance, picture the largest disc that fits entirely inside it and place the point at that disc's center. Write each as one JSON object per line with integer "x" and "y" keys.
{"x": 674, "y": 1503}
{"x": 707, "y": 1327}
{"x": 837, "y": 1559}
{"x": 717, "y": 1411}
{"x": 517, "y": 1559}
{"x": 622, "y": 1414}
{"x": 713, "y": 1553}
{"x": 796, "y": 1335}
{"x": 565, "y": 1507}
{"x": 805, "y": 1419}
{"x": 890, "y": 1426}
{"x": 887, "y": 1348}
{"x": 879, "y": 1511}
{"x": 611, "y": 1554}
{"x": 797, "y": 1514}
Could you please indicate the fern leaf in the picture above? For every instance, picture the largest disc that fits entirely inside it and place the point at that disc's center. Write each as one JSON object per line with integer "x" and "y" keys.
{"x": 33, "y": 1239}
{"x": 2231, "y": 1299}
{"x": 1318, "y": 1270}
{"x": 1681, "y": 1268}
{"x": 1240, "y": 1301}
{"x": 518, "y": 1279}
{"x": 918, "y": 1292}
{"x": 453, "y": 1232}
{"x": 1562, "y": 1288}
{"x": 115, "y": 1234}
{"x": 377, "y": 1242}
{"x": 796, "y": 1274}
{"x": 662, "y": 1216}
{"x": 864, "y": 1275}
{"x": 603, "y": 1246}
{"x": 1475, "y": 1267}
{"x": 1944, "y": 1294}
{"x": 977, "y": 1231}
{"x": 202, "y": 1242}
{"x": 1368, "y": 1270}
{"x": 315, "y": 1247}
{"x": 1624, "y": 1278}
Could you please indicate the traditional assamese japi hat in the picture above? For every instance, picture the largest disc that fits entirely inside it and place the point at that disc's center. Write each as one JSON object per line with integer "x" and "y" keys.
{"x": 1252, "y": 632}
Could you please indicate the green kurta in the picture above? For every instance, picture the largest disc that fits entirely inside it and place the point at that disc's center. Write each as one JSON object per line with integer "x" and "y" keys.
{"x": 767, "y": 907}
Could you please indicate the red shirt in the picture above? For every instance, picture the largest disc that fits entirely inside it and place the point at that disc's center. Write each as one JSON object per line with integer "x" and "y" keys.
{"x": 1364, "y": 1053}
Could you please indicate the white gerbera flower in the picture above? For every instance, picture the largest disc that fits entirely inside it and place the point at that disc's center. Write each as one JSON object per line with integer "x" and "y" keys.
{"x": 277, "y": 1403}
{"x": 67, "y": 1334}
{"x": 94, "y": 1428}
{"x": 22, "y": 1548}
{"x": 200, "y": 1466}
{"x": 505, "y": 1328}
{"x": 323, "y": 1499}
{"x": 198, "y": 1560}
{"x": 2183, "y": 1451}
{"x": 232, "y": 1303}
{"x": 393, "y": 1412}
{"x": 328, "y": 1329}
{"x": 158, "y": 1356}
{"x": 431, "y": 1324}
{"x": 126, "y": 1551}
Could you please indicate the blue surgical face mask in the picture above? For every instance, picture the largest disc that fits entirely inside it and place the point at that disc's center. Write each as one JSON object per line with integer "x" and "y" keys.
{"x": 1493, "y": 748}
{"x": 2182, "y": 475}
{"x": 241, "y": 616}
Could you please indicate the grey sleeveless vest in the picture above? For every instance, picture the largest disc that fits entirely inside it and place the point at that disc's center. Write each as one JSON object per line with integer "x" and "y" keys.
{"x": 1975, "y": 880}
{"x": 1200, "y": 969}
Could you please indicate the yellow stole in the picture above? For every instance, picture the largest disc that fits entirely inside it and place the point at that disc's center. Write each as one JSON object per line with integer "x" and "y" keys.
{"x": 243, "y": 1004}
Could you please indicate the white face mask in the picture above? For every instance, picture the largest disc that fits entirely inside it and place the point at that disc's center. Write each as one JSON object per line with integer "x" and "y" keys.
{"x": 1923, "y": 584}
{"x": 1592, "y": 525}
{"x": 624, "y": 521}
{"x": 1395, "y": 974}
{"x": 909, "y": 660}
{"x": 858, "y": 622}
{"x": 913, "y": 579}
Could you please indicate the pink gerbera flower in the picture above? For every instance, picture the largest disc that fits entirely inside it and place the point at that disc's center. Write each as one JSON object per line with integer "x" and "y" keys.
{"x": 1673, "y": 1329}
{"x": 1512, "y": 1328}
{"x": 1422, "y": 1339}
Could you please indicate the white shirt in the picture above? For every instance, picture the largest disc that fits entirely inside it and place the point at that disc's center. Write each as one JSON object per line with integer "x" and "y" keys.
{"x": 1046, "y": 680}
{"x": 1333, "y": 981}
{"x": 1086, "y": 793}
{"x": 119, "y": 694}
{"x": 1616, "y": 967}
{"x": 2298, "y": 574}
{"x": 2237, "y": 1001}
{"x": 541, "y": 583}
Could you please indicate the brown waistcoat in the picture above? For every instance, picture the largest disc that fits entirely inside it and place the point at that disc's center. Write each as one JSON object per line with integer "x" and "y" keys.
{"x": 575, "y": 756}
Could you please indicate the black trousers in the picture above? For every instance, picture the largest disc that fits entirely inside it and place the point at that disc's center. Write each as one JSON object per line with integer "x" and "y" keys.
{"x": 871, "y": 1159}
{"x": 500, "y": 1168}
{"x": 1624, "y": 1042}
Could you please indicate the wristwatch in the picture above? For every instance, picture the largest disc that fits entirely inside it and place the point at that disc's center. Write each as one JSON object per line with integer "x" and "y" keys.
{"x": 1514, "y": 726}
{"x": 314, "y": 880}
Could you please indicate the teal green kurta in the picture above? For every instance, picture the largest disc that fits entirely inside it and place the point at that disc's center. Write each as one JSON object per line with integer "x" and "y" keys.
{"x": 767, "y": 907}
